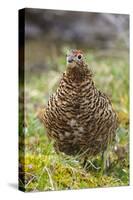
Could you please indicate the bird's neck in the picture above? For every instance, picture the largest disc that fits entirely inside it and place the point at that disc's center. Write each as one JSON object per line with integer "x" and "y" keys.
{"x": 78, "y": 73}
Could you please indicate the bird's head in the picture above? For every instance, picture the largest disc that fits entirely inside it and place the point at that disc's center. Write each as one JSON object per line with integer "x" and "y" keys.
{"x": 77, "y": 69}
{"x": 75, "y": 57}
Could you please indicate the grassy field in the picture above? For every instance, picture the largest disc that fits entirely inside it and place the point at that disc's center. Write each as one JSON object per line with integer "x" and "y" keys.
{"x": 43, "y": 168}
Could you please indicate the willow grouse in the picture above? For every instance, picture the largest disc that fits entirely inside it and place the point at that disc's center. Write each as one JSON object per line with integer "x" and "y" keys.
{"x": 79, "y": 118}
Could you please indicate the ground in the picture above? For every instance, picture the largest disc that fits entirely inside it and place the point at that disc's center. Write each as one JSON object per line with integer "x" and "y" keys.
{"x": 46, "y": 170}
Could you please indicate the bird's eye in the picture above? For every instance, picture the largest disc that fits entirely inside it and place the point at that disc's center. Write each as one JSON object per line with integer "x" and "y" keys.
{"x": 79, "y": 56}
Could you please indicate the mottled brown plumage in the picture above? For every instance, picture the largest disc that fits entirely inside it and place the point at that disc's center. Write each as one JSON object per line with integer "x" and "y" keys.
{"x": 79, "y": 118}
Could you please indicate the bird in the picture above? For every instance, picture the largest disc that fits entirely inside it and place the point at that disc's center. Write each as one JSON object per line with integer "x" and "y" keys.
{"x": 79, "y": 118}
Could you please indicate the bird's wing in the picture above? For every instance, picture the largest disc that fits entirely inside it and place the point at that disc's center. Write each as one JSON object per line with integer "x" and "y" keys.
{"x": 40, "y": 113}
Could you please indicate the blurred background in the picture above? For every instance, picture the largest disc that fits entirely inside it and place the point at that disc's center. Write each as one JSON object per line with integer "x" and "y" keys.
{"x": 49, "y": 34}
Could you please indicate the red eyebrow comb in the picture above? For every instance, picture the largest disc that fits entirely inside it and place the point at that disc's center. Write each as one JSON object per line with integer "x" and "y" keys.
{"x": 77, "y": 51}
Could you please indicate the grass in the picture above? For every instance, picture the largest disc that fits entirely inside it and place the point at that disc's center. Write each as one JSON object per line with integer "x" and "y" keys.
{"x": 43, "y": 169}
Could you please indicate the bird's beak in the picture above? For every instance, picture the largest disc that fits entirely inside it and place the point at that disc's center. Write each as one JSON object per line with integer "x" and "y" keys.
{"x": 70, "y": 59}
